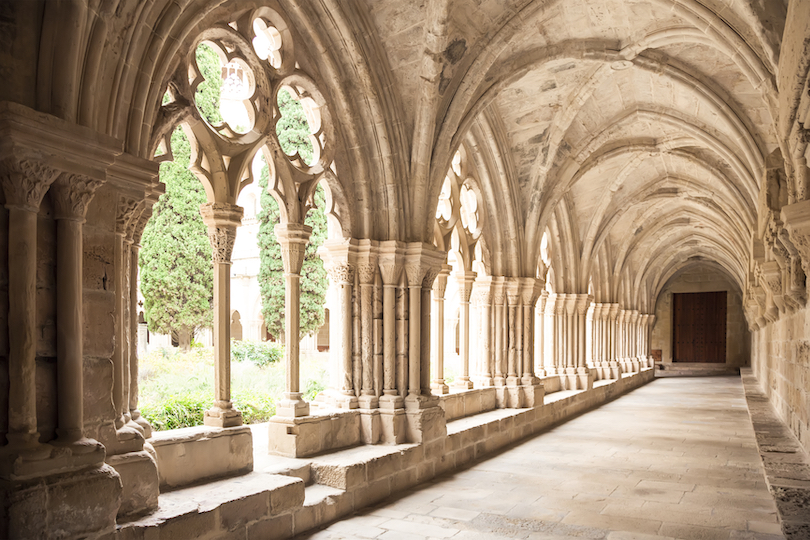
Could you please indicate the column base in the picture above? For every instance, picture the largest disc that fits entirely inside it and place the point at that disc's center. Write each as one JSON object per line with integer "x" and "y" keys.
{"x": 340, "y": 400}
{"x": 368, "y": 402}
{"x": 393, "y": 425}
{"x": 141, "y": 421}
{"x": 534, "y": 394}
{"x": 463, "y": 383}
{"x": 292, "y": 406}
{"x": 425, "y": 418}
{"x": 570, "y": 378}
{"x": 370, "y": 428}
{"x": 584, "y": 378}
{"x": 140, "y": 481}
{"x": 218, "y": 417}
{"x": 36, "y": 508}
{"x": 439, "y": 388}
{"x": 304, "y": 436}
{"x": 21, "y": 464}
{"x": 391, "y": 402}
{"x": 615, "y": 369}
{"x": 499, "y": 380}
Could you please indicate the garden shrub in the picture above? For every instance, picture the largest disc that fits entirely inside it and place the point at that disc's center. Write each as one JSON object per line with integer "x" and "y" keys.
{"x": 261, "y": 353}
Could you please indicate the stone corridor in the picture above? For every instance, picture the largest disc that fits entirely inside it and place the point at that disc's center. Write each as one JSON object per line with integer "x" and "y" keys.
{"x": 675, "y": 458}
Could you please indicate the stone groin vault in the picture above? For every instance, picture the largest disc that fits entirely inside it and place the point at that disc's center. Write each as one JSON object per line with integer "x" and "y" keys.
{"x": 564, "y": 167}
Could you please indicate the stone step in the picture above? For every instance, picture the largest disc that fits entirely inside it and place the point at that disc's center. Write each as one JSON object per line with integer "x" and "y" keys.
{"x": 694, "y": 370}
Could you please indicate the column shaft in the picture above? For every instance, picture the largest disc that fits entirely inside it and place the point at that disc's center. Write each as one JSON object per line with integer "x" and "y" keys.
{"x": 69, "y": 322}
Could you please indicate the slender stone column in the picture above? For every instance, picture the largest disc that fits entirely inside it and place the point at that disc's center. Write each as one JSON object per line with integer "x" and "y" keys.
{"x": 125, "y": 210}
{"x": 583, "y": 301}
{"x": 424, "y": 350}
{"x": 134, "y": 390}
{"x": 530, "y": 289}
{"x": 613, "y": 314}
{"x": 499, "y": 298}
{"x": 222, "y": 221}
{"x": 438, "y": 386}
{"x": 560, "y": 320}
{"x": 482, "y": 299}
{"x": 515, "y": 320}
{"x": 572, "y": 343}
{"x": 415, "y": 273}
{"x": 72, "y": 194}
{"x": 465, "y": 284}
{"x": 366, "y": 271}
{"x": 390, "y": 260}
{"x": 342, "y": 276}
{"x": 293, "y": 238}
{"x": 539, "y": 335}
{"x": 24, "y": 184}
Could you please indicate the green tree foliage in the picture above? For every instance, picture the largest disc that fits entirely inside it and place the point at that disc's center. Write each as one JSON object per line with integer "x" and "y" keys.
{"x": 177, "y": 279}
{"x": 177, "y": 276}
{"x": 209, "y": 90}
{"x": 293, "y": 133}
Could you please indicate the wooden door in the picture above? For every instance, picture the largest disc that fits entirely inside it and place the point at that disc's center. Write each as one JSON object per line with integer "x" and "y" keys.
{"x": 699, "y": 327}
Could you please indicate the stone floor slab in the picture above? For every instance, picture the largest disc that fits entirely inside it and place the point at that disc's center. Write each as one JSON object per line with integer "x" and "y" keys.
{"x": 677, "y": 458}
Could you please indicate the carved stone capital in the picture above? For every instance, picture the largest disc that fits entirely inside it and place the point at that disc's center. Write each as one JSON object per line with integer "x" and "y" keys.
{"x": 465, "y": 281}
{"x": 124, "y": 212}
{"x": 482, "y": 293}
{"x": 25, "y": 182}
{"x": 222, "y": 239}
{"x": 293, "y": 238}
{"x": 341, "y": 274}
{"x": 613, "y": 311}
{"x": 366, "y": 273}
{"x": 71, "y": 195}
{"x": 583, "y": 301}
{"x": 440, "y": 285}
{"x": 796, "y": 219}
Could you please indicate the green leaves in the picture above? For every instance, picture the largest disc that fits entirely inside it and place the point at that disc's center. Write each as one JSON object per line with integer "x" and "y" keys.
{"x": 177, "y": 277}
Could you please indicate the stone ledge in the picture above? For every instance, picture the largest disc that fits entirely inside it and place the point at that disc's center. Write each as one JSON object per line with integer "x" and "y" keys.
{"x": 350, "y": 479}
{"x": 192, "y": 455}
{"x": 787, "y": 465}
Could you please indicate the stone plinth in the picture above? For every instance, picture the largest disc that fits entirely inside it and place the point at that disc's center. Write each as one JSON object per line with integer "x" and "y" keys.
{"x": 190, "y": 455}
{"x": 425, "y": 419}
{"x": 76, "y": 504}
{"x": 304, "y": 436}
{"x": 139, "y": 479}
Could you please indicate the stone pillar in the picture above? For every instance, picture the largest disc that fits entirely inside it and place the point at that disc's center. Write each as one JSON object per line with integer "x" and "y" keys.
{"x": 71, "y": 195}
{"x": 613, "y": 338}
{"x": 539, "y": 335}
{"x": 293, "y": 238}
{"x": 438, "y": 386}
{"x": 482, "y": 300}
{"x": 633, "y": 340}
{"x": 392, "y": 413}
{"x": 595, "y": 358}
{"x": 127, "y": 206}
{"x": 342, "y": 276}
{"x": 24, "y": 184}
{"x": 222, "y": 221}
{"x": 584, "y": 374}
{"x": 366, "y": 272}
{"x": 465, "y": 285}
{"x": 498, "y": 301}
{"x": 425, "y": 419}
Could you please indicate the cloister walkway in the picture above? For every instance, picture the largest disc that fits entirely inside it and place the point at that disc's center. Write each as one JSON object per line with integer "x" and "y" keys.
{"x": 675, "y": 458}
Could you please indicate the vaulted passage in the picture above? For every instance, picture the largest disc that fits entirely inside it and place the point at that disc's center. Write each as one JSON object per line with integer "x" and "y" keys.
{"x": 676, "y": 458}
{"x": 514, "y": 198}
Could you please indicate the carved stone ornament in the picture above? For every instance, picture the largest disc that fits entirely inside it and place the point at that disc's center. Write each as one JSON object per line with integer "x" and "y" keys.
{"x": 71, "y": 195}
{"x": 124, "y": 212}
{"x": 222, "y": 239}
{"x": 341, "y": 274}
{"x": 415, "y": 273}
{"x": 430, "y": 277}
{"x": 366, "y": 273}
{"x": 25, "y": 182}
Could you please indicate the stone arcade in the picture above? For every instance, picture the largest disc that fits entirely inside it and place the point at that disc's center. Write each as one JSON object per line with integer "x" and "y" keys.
{"x": 564, "y": 167}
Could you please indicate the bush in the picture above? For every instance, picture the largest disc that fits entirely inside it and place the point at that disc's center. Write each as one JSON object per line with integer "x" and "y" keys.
{"x": 261, "y": 353}
{"x": 314, "y": 387}
{"x": 177, "y": 411}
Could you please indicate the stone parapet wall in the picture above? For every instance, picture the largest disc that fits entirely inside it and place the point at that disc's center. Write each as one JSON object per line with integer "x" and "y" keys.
{"x": 315, "y": 491}
{"x": 780, "y": 359}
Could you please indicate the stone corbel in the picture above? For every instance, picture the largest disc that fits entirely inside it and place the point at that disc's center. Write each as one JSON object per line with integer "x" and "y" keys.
{"x": 796, "y": 219}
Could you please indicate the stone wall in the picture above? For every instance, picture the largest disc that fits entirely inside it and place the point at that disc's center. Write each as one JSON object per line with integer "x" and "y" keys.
{"x": 781, "y": 362}
{"x": 703, "y": 278}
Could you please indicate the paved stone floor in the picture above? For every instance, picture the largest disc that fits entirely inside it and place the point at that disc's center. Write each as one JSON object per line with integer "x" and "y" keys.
{"x": 676, "y": 458}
